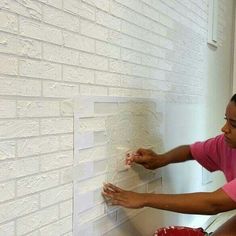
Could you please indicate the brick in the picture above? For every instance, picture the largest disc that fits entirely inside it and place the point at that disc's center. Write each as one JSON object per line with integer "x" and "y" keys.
{"x": 91, "y": 124}
{"x": 56, "y": 125}
{"x": 93, "y": 30}
{"x": 60, "y": 90}
{"x": 7, "y": 229}
{"x": 67, "y": 107}
{"x": 60, "y": 54}
{"x": 8, "y": 65}
{"x": 93, "y": 90}
{"x": 80, "y": 9}
{"x": 7, "y": 191}
{"x": 66, "y": 175}
{"x": 61, "y": 19}
{"x": 19, "y": 87}
{"x": 8, "y": 22}
{"x": 108, "y": 50}
{"x": 78, "y": 42}
{"x": 66, "y": 208}
{"x": 20, "y": 46}
{"x": 54, "y": 3}
{"x": 58, "y": 228}
{"x": 37, "y": 183}
{"x": 38, "y": 145}
{"x": 56, "y": 195}
{"x": 18, "y": 128}
{"x": 66, "y": 142}
{"x": 108, "y": 20}
{"x": 19, "y": 207}
{"x": 38, "y": 30}
{"x": 38, "y": 108}
{"x": 18, "y": 168}
{"x": 28, "y": 8}
{"x": 7, "y": 109}
{"x": 131, "y": 56}
{"x": 7, "y": 149}
{"x": 108, "y": 79}
{"x": 93, "y": 61}
{"x": 79, "y": 75}
{"x": 39, "y": 69}
{"x": 57, "y": 160}
{"x": 102, "y": 4}
{"x": 36, "y": 220}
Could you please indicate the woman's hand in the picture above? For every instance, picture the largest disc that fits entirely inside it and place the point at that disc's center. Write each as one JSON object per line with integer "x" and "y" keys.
{"x": 120, "y": 197}
{"x": 145, "y": 157}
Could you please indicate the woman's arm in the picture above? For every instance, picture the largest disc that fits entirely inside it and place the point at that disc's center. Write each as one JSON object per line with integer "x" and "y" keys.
{"x": 205, "y": 203}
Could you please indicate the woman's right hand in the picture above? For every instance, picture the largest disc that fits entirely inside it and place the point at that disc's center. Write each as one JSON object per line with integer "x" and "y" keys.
{"x": 145, "y": 157}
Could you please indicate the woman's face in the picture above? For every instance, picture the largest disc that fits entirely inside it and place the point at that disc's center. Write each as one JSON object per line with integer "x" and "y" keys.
{"x": 229, "y": 129}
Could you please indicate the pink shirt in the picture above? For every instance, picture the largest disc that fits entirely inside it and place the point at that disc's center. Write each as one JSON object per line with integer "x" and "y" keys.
{"x": 214, "y": 154}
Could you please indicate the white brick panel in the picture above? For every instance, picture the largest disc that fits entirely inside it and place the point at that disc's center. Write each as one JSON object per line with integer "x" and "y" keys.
{"x": 18, "y": 128}
{"x": 79, "y": 75}
{"x": 93, "y": 30}
{"x": 109, "y": 79}
{"x": 57, "y": 160}
{"x": 59, "y": 90}
{"x": 39, "y": 69}
{"x": 66, "y": 208}
{"x": 56, "y": 195}
{"x": 102, "y": 4}
{"x": 37, "y": 30}
{"x": 58, "y": 228}
{"x": 8, "y": 22}
{"x": 61, "y": 19}
{"x": 56, "y": 125}
{"x": 20, "y": 46}
{"x": 37, "y": 183}
{"x": 78, "y": 42}
{"x": 19, "y": 87}
{"x": 31, "y": 9}
{"x": 36, "y": 220}
{"x": 80, "y": 9}
{"x": 7, "y": 229}
{"x": 66, "y": 142}
{"x": 108, "y": 50}
{"x": 8, "y": 65}
{"x": 7, "y": 191}
{"x": 18, "y": 168}
{"x": 38, "y": 145}
{"x": 93, "y": 61}
{"x": 19, "y": 207}
{"x": 60, "y": 54}
{"x": 7, "y": 149}
{"x": 7, "y": 109}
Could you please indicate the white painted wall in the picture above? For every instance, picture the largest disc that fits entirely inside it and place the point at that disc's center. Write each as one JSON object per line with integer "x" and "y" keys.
{"x": 52, "y": 50}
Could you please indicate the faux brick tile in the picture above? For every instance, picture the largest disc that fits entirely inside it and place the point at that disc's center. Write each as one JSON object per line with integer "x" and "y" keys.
{"x": 102, "y": 4}
{"x": 19, "y": 87}
{"x": 8, "y": 22}
{"x": 39, "y": 69}
{"x": 37, "y": 30}
{"x": 8, "y": 65}
{"x": 80, "y": 9}
{"x": 7, "y": 108}
{"x": 18, "y": 128}
{"x": 37, "y": 145}
{"x": 7, "y": 229}
{"x": 66, "y": 208}
{"x": 56, "y": 195}
{"x": 18, "y": 168}
{"x": 37, "y": 183}
{"x": 7, "y": 191}
{"x": 7, "y": 149}
{"x": 56, "y": 125}
{"x": 19, "y": 207}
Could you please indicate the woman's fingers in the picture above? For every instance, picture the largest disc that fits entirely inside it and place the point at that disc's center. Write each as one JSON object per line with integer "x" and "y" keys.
{"x": 112, "y": 187}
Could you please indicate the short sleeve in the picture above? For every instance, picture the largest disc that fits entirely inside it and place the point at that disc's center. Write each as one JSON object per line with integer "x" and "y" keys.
{"x": 230, "y": 189}
{"x": 207, "y": 153}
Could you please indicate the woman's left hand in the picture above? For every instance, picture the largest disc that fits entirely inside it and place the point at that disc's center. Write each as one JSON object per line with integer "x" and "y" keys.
{"x": 120, "y": 197}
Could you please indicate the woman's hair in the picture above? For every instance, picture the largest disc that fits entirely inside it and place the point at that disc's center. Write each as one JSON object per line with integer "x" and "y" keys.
{"x": 233, "y": 98}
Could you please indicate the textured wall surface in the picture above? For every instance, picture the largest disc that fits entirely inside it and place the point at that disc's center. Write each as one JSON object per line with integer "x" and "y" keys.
{"x": 105, "y": 132}
{"x": 53, "y": 50}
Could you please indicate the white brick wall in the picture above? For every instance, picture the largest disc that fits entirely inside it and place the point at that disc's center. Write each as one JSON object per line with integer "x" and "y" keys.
{"x": 52, "y": 50}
